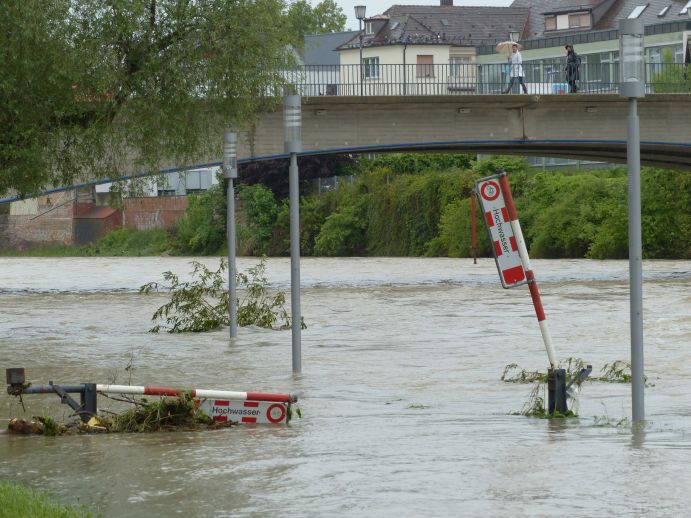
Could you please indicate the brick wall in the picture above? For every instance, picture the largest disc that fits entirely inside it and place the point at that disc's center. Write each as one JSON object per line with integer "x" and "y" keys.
{"x": 58, "y": 219}
{"x": 42, "y": 221}
{"x": 149, "y": 213}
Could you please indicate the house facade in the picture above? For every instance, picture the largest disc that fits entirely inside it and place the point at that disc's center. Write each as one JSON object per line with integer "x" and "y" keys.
{"x": 422, "y": 50}
{"x": 444, "y": 49}
{"x": 592, "y": 28}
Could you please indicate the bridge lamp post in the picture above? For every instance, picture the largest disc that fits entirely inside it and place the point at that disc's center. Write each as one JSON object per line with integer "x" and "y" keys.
{"x": 632, "y": 87}
{"x": 292, "y": 121}
{"x": 360, "y": 15}
{"x": 230, "y": 172}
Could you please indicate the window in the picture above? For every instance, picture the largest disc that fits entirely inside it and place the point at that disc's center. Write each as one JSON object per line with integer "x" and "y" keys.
{"x": 663, "y": 12}
{"x": 550, "y": 23}
{"x": 638, "y": 10}
{"x": 579, "y": 20}
{"x": 371, "y": 67}
{"x": 425, "y": 66}
{"x": 369, "y": 27}
{"x": 459, "y": 67}
{"x": 685, "y": 8}
{"x": 166, "y": 192}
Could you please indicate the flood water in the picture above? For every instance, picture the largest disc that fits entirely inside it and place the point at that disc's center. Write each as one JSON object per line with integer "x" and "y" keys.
{"x": 403, "y": 410}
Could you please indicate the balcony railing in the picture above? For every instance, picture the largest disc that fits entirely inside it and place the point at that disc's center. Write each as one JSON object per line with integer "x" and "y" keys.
{"x": 542, "y": 78}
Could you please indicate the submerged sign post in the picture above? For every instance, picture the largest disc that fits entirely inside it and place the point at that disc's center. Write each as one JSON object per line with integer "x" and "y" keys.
{"x": 508, "y": 246}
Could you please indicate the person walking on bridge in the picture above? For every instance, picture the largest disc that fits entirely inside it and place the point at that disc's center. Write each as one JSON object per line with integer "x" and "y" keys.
{"x": 516, "y": 71}
{"x": 573, "y": 66}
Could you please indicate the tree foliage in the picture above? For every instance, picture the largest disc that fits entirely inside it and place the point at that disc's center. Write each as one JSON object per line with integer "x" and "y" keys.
{"x": 104, "y": 87}
{"x": 274, "y": 173}
{"x": 324, "y": 17}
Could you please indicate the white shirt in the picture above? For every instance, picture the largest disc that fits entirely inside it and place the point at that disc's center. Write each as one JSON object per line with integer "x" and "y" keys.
{"x": 516, "y": 64}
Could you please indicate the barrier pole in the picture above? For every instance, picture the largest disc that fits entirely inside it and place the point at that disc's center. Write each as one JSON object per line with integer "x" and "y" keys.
{"x": 473, "y": 236}
{"x": 532, "y": 283}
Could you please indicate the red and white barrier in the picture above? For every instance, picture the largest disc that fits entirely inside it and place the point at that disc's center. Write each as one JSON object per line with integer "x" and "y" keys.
{"x": 510, "y": 251}
{"x": 261, "y": 412}
{"x": 530, "y": 276}
{"x": 197, "y": 393}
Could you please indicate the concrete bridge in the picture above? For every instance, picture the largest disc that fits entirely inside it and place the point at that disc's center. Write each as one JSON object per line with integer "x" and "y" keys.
{"x": 583, "y": 127}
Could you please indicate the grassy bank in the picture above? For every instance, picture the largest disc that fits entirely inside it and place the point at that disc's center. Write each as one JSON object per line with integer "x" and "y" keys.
{"x": 130, "y": 243}
{"x": 17, "y": 501}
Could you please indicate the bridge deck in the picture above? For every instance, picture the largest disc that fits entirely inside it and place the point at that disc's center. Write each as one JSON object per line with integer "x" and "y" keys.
{"x": 586, "y": 127}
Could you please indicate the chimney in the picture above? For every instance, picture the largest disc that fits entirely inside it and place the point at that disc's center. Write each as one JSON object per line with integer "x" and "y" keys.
{"x": 446, "y": 3}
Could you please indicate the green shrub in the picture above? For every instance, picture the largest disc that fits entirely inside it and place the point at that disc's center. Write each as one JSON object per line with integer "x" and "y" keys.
{"x": 202, "y": 229}
{"x": 670, "y": 77}
{"x": 125, "y": 242}
{"x": 259, "y": 210}
{"x": 508, "y": 164}
{"x": 455, "y": 232}
{"x": 343, "y": 233}
{"x": 415, "y": 163}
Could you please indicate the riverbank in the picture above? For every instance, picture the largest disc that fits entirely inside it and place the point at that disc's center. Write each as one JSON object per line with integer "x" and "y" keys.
{"x": 398, "y": 209}
{"x": 17, "y": 501}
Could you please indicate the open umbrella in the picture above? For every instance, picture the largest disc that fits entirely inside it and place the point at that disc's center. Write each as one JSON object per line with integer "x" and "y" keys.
{"x": 505, "y": 46}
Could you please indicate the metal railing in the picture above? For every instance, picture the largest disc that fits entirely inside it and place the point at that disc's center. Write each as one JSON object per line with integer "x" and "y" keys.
{"x": 544, "y": 78}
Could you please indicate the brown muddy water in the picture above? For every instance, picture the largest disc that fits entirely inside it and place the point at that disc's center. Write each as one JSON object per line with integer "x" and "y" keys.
{"x": 404, "y": 413}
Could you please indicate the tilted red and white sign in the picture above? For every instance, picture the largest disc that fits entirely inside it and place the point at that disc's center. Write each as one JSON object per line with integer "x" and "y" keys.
{"x": 261, "y": 412}
{"x": 508, "y": 259}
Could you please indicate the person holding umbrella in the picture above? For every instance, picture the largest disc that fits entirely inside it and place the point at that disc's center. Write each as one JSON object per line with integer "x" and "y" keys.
{"x": 516, "y": 69}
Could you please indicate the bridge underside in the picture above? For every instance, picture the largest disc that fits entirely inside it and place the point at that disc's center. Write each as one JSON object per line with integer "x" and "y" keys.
{"x": 591, "y": 127}
{"x": 668, "y": 156}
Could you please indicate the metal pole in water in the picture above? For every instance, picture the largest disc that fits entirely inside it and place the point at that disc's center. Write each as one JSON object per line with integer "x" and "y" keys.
{"x": 230, "y": 171}
{"x": 556, "y": 391}
{"x": 292, "y": 116}
{"x": 635, "y": 265}
{"x": 631, "y": 87}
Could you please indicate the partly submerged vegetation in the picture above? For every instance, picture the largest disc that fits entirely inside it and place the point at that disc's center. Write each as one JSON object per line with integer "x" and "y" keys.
{"x": 618, "y": 371}
{"x": 201, "y": 304}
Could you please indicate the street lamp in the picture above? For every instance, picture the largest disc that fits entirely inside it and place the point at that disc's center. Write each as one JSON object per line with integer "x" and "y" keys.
{"x": 230, "y": 172}
{"x": 632, "y": 86}
{"x": 292, "y": 122}
{"x": 360, "y": 15}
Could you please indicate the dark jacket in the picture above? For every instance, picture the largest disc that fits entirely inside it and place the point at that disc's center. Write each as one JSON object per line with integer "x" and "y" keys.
{"x": 573, "y": 66}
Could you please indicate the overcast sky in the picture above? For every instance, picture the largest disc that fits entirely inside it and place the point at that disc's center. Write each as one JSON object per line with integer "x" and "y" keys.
{"x": 379, "y": 6}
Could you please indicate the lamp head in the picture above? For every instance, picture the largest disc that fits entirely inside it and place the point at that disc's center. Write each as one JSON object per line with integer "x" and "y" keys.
{"x": 360, "y": 12}
{"x": 292, "y": 123}
{"x": 230, "y": 154}
{"x": 631, "y": 59}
